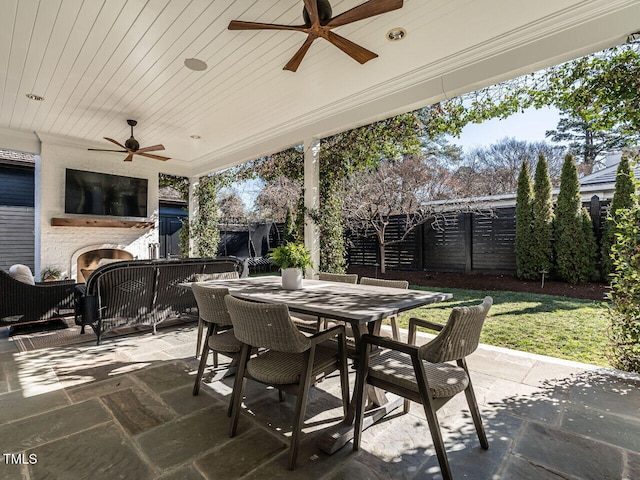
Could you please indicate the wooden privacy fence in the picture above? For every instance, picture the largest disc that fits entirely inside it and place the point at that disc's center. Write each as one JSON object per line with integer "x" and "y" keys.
{"x": 463, "y": 243}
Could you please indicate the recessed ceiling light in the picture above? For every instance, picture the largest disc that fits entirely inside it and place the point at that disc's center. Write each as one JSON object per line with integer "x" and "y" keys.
{"x": 196, "y": 137}
{"x": 33, "y": 96}
{"x": 396, "y": 34}
{"x": 195, "y": 64}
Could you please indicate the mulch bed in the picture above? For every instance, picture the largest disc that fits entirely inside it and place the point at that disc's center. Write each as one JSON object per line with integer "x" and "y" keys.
{"x": 479, "y": 281}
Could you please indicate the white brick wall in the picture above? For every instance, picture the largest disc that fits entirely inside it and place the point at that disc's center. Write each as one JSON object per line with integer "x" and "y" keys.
{"x": 56, "y": 245}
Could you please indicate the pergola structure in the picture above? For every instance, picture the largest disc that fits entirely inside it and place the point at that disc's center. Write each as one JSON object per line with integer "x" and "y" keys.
{"x": 99, "y": 63}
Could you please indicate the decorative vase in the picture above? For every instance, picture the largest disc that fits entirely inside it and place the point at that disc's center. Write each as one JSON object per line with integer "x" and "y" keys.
{"x": 291, "y": 278}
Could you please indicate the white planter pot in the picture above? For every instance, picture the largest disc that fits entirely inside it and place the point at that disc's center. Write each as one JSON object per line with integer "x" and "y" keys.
{"x": 291, "y": 278}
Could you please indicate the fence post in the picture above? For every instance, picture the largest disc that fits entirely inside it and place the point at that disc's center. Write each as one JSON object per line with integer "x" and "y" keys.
{"x": 594, "y": 212}
{"x": 468, "y": 241}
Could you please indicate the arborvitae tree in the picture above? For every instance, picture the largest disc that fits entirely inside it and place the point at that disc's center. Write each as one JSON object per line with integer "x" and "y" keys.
{"x": 524, "y": 225}
{"x": 575, "y": 243}
{"x": 542, "y": 250}
{"x": 622, "y": 199}
{"x": 289, "y": 229}
{"x": 624, "y": 333}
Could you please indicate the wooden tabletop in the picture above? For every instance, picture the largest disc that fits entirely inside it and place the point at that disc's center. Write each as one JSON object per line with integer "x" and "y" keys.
{"x": 342, "y": 301}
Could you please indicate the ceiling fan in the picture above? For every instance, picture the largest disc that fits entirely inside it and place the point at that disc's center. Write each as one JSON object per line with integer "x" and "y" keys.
{"x": 132, "y": 147}
{"x": 319, "y": 23}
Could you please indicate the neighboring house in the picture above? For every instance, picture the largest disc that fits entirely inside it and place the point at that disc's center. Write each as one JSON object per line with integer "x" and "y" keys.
{"x": 17, "y": 183}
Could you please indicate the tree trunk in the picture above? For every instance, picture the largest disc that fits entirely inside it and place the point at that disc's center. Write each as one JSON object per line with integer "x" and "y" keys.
{"x": 382, "y": 258}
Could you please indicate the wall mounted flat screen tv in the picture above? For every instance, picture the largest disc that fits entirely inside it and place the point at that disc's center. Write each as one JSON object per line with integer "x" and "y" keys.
{"x": 92, "y": 193}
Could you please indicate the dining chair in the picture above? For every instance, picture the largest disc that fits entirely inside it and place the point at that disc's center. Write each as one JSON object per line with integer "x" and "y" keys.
{"x": 338, "y": 277}
{"x": 203, "y": 277}
{"x": 378, "y": 282}
{"x": 423, "y": 374}
{"x": 291, "y": 363}
{"x": 219, "y": 338}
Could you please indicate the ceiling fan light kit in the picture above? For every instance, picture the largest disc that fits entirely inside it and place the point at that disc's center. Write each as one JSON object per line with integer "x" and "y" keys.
{"x": 132, "y": 147}
{"x": 317, "y": 15}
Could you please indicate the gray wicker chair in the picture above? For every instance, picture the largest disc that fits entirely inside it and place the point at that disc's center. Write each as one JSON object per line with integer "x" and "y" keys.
{"x": 220, "y": 337}
{"x": 338, "y": 277}
{"x": 378, "y": 282}
{"x": 292, "y": 363}
{"x": 422, "y": 374}
{"x": 203, "y": 277}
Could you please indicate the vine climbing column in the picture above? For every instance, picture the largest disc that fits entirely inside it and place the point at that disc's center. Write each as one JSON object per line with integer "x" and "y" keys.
{"x": 312, "y": 198}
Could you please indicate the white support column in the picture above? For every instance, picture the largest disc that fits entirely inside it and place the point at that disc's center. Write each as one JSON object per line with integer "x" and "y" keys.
{"x": 312, "y": 200}
{"x": 193, "y": 212}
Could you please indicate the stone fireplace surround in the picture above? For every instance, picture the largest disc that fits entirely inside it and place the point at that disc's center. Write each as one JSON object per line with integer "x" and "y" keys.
{"x": 87, "y": 258}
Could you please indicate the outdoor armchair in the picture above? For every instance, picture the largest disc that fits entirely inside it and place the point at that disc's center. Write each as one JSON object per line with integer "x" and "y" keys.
{"x": 219, "y": 338}
{"x": 203, "y": 277}
{"x": 292, "y": 362}
{"x": 423, "y": 374}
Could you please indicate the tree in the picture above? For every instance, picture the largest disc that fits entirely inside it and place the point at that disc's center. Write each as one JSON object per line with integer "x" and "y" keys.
{"x": 622, "y": 200}
{"x": 231, "y": 206}
{"x": 395, "y": 188}
{"x": 624, "y": 333}
{"x": 525, "y": 268}
{"x": 588, "y": 142}
{"x": 542, "y": 249}
{"x": 493, "y": 170}
{"x": 289, "y": 230}
{"x": 277, "y": 197}
{"x": 575, "y": 243}
{"x": 602, "y": 90}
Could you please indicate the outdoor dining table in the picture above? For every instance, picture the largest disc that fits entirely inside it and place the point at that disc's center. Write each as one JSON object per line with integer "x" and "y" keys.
{"x": 363, "y": 307}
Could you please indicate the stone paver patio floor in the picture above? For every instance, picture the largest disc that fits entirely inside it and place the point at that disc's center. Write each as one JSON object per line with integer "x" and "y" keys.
{"x": 124, "y": 410}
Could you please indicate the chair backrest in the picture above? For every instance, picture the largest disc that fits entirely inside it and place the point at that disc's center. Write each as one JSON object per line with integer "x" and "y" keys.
{"x": 378, "y": 282}
{"x": 460, "y": 336}
{"x": 265, "y": 325}
{"x": 203, "y": 277}
{"x": 211, "y": 306}
{"x": 338, "y": 277}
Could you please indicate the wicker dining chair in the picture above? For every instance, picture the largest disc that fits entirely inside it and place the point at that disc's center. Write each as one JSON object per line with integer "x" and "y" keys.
{"x": 378, "y": 282}
{"x": 203, "y": 277}
{"x": 423, "y": 374}
{"x": 338, "y": 277}
{"x": 292, "y": 362}
{"x": 219, "y": 337}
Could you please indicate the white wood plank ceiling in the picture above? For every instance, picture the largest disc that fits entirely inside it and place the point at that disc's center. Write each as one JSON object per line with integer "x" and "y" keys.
{"x": 100, "y": 62}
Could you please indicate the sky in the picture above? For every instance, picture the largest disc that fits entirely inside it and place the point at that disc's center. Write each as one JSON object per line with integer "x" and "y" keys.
{"x": 530, "y": 125}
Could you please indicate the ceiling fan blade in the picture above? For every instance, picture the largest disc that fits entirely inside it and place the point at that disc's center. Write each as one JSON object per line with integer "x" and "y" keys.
{"x": 355, "y": 51}
{"x": 117, "y": 143}
{"x": 312, "y": 11}
{"x": 153, "y": 148}
{"x": 105, "y": 150}
{"x": 155, "y": 157}
{"x": 366, "y": 10}
{"x": 295, "y": 61}
{"x": 129, "y": 157}
{"x": 240, "y": 25}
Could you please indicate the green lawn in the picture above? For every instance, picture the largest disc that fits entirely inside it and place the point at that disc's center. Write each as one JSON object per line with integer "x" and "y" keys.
{"x": 560, "y": 327}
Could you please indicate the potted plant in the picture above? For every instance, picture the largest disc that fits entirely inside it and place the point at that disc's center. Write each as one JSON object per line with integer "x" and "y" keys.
{"x": 50, "y": 274}
{"x": 292, "y": 258}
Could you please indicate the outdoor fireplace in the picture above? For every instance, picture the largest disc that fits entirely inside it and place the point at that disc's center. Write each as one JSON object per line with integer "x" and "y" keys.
{"x": 85, "y": 260}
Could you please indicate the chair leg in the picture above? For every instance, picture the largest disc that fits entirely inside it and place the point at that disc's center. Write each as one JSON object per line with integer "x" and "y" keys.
{"x": 235, "y": 402}
{"x": 475, "y": 411}
{"x": 199, "y": 340}
{"x": 360, "y": 397}
{"x": 215, "y": 359}
{"x": 432, "y": 419}
{"x": 280, "y": 396}
{"x": 203, "y": 363}
{"x": 301, "y": 406}
{"x": 344, "y": 373}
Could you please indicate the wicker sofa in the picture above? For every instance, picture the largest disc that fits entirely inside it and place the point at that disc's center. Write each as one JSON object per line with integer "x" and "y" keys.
{"x": 22, "y": 303}
{"x": 143, "y": 292}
